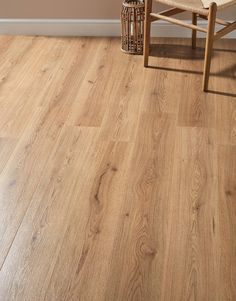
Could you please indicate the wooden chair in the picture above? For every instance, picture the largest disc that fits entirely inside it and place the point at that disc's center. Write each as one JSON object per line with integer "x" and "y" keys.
{"x": 205, "y": 11}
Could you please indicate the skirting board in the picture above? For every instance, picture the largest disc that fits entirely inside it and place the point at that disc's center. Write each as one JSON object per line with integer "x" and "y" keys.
{"x": 71, "y": 27}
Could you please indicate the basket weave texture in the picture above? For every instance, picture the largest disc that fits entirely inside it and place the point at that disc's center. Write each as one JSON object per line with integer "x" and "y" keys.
{"x": 132, "y": 21}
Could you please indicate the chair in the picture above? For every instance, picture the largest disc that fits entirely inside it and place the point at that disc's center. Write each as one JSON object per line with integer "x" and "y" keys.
{"x": 199, "y": 8}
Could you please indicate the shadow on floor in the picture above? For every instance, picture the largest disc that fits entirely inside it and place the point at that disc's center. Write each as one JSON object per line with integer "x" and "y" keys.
{"x": 185, "y": 52}
{"x": 174, "y": 51}
{"x": 228, "y": 72}
{"x": 222, "y": 93}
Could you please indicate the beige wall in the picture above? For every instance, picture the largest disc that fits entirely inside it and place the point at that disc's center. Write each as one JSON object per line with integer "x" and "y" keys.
{"x": 71, "y": 9}
{"x": 77, "y": 9}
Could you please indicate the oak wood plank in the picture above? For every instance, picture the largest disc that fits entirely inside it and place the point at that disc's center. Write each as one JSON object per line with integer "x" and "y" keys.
{"x": 141, "y": 240}
{"x": 226, "y": 224}
{"x": 7, "y": 146}
{"x": 42, "y": 230}
{"x": 90, "y": 253}
{"x": 95, "y": 90}
{"x": 126, "y": 97}
{"x": 193, "y": 215}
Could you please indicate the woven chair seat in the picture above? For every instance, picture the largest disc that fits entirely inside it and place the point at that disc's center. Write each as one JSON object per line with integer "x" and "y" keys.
{"x": 198, "y": 6}
{"x": 220, "y": 3}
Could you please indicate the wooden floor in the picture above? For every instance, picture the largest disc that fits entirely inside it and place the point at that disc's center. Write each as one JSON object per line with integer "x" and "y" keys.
{"x": 116, "y": 182}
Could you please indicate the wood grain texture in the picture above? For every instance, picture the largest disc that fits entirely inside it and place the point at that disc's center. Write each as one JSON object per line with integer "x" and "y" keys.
{"x": 192, "y": 219}
{"x": 116, "y": 182}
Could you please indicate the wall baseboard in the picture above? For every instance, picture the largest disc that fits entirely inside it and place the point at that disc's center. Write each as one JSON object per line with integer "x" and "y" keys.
{"x": 71, "y": 27}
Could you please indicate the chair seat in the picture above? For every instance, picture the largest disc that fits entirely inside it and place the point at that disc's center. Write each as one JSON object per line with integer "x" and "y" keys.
{"x": 197, "y": 6}
{"x": 220, "y": 3}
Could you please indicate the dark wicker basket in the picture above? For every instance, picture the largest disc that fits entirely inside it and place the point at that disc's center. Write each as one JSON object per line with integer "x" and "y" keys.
{"x": 132, "y": 20}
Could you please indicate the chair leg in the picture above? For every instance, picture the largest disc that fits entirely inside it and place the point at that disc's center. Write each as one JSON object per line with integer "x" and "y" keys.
{"x": 209, "y": 44}
{"x": 194, "y": 32}
{"x": 147, "y": 31}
